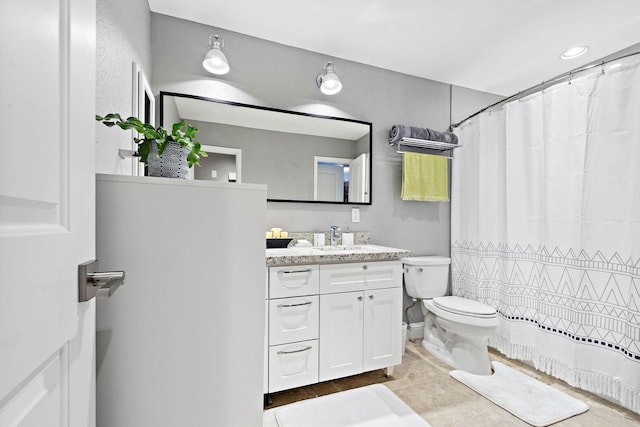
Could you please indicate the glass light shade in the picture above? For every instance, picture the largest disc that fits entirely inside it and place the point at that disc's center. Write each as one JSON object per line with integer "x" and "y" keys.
{"x": 331, "y": 84}
{"x": 215, "y": 61}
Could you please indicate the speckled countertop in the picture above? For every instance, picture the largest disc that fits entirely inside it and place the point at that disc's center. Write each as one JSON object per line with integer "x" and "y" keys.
{"x": 326, "y": 255}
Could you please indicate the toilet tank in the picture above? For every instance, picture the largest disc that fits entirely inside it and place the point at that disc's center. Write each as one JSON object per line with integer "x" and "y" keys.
{"x": 426, "y": 276}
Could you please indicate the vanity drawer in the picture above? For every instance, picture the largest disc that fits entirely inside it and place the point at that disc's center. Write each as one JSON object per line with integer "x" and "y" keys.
{"x": 293, "y": 365}
{"x": 294, "y": 280}
{"x": 293, "y": 319}
{"x": 383, "y": 274}
{"x": 358, "y": 276}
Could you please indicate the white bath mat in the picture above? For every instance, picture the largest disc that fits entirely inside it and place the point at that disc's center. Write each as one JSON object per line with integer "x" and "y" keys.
{"x": 371, "y": 406}
{"x": 525, "y": 397}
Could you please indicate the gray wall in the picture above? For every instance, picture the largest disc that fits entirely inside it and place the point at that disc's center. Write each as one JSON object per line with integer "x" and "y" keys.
{"x": 122, "y": 37}
{"x": 223, "y": 164}
{"x": 269, "y": 74}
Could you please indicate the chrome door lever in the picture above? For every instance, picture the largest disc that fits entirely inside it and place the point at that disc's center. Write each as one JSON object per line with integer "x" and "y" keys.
{"x": 92, "y": 282}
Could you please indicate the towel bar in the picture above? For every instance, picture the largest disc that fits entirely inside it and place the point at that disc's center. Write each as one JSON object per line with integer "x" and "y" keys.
{"x": 425, "y": 144}
{"x": 446, "y": 157}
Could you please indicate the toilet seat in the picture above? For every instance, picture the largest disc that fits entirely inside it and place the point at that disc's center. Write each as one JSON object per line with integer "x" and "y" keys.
{"x": 464, "y": 307}
{"x": 455, "y": 313}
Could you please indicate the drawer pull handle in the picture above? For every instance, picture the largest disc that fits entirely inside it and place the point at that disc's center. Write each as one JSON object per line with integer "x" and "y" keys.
{"x": 295, "y": 271}
{"x": 295, "y": 351}
{"x": 296, "y": 284}
{"x": 295, "y": 305}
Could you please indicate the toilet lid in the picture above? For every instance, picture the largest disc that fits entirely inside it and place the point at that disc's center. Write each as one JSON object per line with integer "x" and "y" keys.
{"x": 464, "y": 306}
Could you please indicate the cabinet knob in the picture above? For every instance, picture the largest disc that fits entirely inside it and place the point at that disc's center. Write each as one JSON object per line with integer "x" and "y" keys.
{"x": 359, "y": 298}
{"x": 364, "y": 267}
{"x": 370, "y": 296}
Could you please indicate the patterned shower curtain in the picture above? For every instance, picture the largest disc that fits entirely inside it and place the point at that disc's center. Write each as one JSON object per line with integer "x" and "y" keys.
{"x": 546, "y": 228}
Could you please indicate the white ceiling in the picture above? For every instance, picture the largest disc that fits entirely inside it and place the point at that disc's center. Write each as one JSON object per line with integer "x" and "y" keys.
{"x": 496, "y": 46}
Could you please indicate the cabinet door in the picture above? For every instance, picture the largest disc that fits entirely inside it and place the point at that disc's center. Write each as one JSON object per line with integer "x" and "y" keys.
{"x": 382, "y": 328}
{"x": 341, "y": 322}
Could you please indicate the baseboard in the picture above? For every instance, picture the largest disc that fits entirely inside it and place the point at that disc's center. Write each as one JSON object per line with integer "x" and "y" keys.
{"x": 415, "y": 331}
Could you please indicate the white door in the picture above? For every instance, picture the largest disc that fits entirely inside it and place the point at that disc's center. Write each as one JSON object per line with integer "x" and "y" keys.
{"x": 47, "y": 203}
{"x": 341, "y": 317}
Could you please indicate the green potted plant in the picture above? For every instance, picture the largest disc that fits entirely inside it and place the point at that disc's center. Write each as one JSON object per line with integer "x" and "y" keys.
{"x": 168, "y": 154}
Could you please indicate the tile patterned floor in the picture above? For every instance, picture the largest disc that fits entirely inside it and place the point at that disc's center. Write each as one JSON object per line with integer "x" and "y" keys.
{"x": 423, "y": 382}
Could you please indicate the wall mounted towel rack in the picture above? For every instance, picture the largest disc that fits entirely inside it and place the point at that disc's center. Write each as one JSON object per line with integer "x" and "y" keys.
{"x": 425, "y": 144}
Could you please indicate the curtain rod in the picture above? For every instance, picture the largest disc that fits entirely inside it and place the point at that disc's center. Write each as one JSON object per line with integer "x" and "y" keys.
{"x": 545, "y": 84}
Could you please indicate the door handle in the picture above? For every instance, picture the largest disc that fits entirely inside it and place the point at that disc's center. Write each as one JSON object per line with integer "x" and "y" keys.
{"x": 92, "y": 282}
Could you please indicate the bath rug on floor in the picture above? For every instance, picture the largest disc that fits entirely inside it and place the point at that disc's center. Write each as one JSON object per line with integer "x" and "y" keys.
{"x": 370, "y": 406}
{"x": 525, "y": 397}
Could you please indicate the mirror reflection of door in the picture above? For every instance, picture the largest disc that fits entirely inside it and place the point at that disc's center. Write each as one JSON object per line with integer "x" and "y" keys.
{"x": 330, "y": 182}
{"x": 330, "y": 178}
{"x": 357, "y": 182}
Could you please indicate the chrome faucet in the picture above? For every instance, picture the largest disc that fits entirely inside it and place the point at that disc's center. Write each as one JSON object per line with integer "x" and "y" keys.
{"x": 333, "y": 235}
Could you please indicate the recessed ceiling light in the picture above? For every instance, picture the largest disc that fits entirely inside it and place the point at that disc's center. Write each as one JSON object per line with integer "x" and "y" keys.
{"x": 574, "y": 52}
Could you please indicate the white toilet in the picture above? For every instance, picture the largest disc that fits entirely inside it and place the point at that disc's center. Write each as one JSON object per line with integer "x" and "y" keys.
{"x": 456, "y": 330}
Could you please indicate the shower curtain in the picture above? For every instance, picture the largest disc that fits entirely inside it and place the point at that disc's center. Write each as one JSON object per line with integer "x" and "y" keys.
{"x": 546, "y": 229}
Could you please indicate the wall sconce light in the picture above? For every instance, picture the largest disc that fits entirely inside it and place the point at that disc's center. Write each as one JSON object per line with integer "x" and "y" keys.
{"x": 328, "y": 81}
{"x": 215, "y": 61}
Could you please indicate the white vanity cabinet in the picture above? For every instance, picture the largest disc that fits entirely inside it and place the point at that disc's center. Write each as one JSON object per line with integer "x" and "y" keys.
{"x": 293, "y": 326}
{"x": 360, "y": 318}
{"x": 333, "y": 320}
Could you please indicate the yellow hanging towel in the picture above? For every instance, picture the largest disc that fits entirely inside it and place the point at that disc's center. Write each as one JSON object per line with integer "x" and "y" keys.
{"x": 425, "y": 177}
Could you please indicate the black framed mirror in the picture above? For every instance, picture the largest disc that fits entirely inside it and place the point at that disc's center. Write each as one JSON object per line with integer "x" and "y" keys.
{"x": 301, "y": 157}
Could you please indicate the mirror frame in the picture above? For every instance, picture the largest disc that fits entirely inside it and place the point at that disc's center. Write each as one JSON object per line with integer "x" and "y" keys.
{"x": 278, "y": 110}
